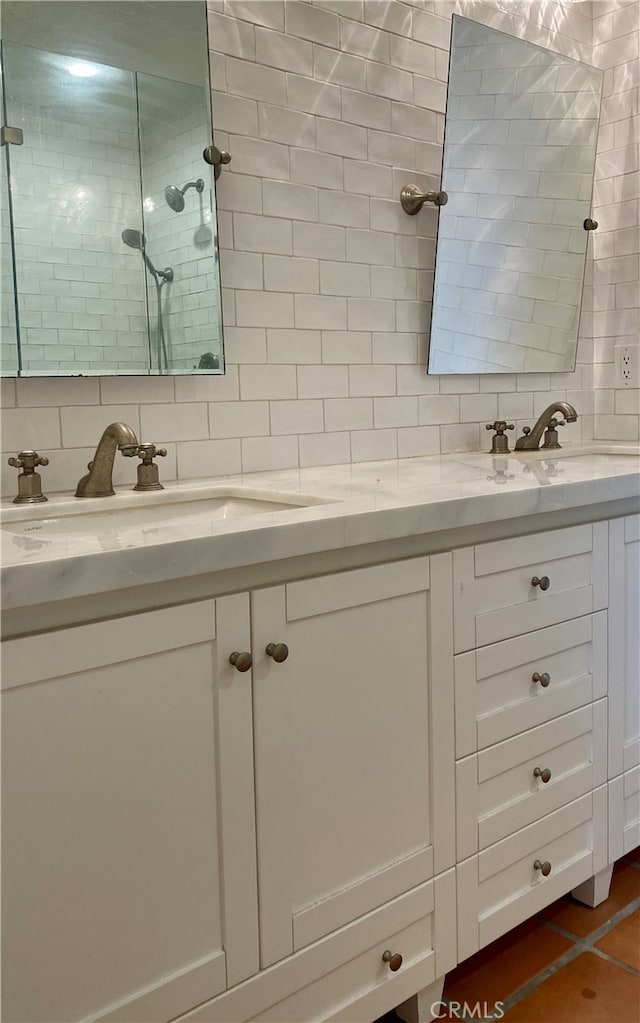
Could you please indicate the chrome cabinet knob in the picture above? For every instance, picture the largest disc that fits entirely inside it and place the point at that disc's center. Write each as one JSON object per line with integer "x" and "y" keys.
{"x": 241, "y": 661}
{"x": 544, "y": 679}
{"x": 543, "y": 582}
{"x": 544, "y": 868}
{"x": 543, "y": 773}
{"x": 394, "y": 959}
{"x": 278, "y": 651}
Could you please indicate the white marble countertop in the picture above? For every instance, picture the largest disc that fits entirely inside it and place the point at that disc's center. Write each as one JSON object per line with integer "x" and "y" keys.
{"x": 366, "y": 503}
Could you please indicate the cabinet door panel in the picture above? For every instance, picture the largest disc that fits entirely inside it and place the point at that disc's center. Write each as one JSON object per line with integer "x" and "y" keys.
{"x": 342, "y": 733}
{"x": 624, "y": 649}
{"x": 112, "y": 836}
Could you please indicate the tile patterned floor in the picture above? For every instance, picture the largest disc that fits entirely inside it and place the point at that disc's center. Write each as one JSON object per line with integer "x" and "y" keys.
{"x": 569, "y": 964}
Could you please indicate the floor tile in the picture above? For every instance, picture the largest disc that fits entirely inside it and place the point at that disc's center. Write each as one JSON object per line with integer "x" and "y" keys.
{"x": 582, "y": 920}
{"x": 587, "y": 990}
{"x": 499, "y": 969}
{"x": 623, "y": 942}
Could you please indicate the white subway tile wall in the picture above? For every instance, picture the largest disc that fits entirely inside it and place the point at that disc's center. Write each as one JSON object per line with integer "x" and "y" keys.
{"x": 338, "y": 360}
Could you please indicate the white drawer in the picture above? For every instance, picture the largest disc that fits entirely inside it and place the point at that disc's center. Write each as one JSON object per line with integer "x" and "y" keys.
{"x": 494, "y": 593}
{"x": 500, "y": 887}
{"x": 343, "y": 976}
{"x": 496, "y": 696}
{"x": 506, "y": 787}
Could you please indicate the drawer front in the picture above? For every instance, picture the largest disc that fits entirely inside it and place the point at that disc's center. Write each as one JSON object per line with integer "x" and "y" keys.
{"x": 343, "y": 976}
{"x": 517, "y": 782}
{"x": 500, "y": 887}
{"x": 496, "y": 695}
{"x": 494, "y": 593}
{"x": 331, "y": 997}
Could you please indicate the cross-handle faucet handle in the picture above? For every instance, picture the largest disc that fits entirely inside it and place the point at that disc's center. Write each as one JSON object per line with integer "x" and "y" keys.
{"x": 148, "y": 478}
{"x": 500, "y": 426}
{"x": 29, "y": 481}
{"x": 147, "y": 452}
{"x": 500, "y": 445}
{"x": 28, "y": 460}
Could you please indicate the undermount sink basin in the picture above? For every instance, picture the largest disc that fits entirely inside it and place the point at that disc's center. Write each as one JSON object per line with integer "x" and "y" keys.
{"x": 593, "y": 453}
{"x": 148, "y": 513}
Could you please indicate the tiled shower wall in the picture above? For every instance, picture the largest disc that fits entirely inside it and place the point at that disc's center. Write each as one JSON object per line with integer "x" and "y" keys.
{"x": 75, "y": 186}
{"x": 185, "y": 241}
{"x": 328, "y": 109}
{"x": 616, "y": 296}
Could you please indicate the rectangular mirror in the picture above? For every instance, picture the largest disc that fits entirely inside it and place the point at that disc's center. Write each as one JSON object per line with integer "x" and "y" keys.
{"x": 109, "y": 254}
{"x": 519, "y": 154}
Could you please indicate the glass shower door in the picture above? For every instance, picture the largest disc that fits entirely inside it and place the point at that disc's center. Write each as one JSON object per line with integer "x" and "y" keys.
{"x": 9, "y": 351}
{"x": 75, "y": 190}
{"x": 180, "y": 226}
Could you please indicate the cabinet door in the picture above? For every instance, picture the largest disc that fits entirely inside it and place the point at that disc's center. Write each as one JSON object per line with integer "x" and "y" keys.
{"x": 349, "y": 732}
{"x": 127, "y": 780}
{"x": 624, "y": 645}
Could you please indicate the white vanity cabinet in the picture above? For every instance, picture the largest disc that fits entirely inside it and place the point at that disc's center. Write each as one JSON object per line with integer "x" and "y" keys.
{"x": 624, "y": 695}
{"x": 531, "y": 724}
{"x": 127, "y": 784}
{"x": 138, "y": 859}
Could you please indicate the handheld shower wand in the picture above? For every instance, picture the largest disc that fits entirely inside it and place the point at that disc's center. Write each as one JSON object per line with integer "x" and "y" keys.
{"x": 136, "y": 240}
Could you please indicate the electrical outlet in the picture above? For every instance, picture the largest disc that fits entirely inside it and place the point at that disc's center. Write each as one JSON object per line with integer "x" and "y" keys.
{"x": 626, "y": 360}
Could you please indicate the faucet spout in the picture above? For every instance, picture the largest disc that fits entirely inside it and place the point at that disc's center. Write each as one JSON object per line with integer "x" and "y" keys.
{"x": 98, "y": 481}
{"x": 530, "y": 441}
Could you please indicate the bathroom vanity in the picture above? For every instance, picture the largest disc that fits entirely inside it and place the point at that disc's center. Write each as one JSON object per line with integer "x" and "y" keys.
{"x": 296, "y": 763}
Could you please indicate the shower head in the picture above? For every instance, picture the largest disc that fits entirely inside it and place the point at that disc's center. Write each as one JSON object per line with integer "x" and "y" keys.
{"x": 136, "y": 240}
{"x": 174, "y": 196}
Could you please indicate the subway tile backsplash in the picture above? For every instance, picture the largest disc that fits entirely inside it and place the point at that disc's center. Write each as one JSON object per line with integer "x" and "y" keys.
{"x": 328, "y": 108}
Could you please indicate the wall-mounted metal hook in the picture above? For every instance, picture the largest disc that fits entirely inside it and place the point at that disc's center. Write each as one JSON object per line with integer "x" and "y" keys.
{"x": 590, "y": 225}
{"x": 413, "y": 199}
{"x": 216, "y": 157}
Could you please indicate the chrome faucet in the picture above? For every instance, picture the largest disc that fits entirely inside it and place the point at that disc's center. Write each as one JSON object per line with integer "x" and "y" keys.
{"x": 530, "y": 440}
{"x": 98, "y": 482}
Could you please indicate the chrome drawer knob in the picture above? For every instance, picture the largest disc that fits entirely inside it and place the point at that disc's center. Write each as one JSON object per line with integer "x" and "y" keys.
{"x": 393, "y": 958}
{"x": 544, "y": 679}
{"x": 241, "y": 661}
{"x": 543, "y": 773}
{"x": 278, "y": 651}
{"x": 544, "y": 868}
{"x": 543, "y": 582}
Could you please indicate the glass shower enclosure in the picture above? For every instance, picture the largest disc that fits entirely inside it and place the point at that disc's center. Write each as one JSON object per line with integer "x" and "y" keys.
{"x": 109, "y": 238}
